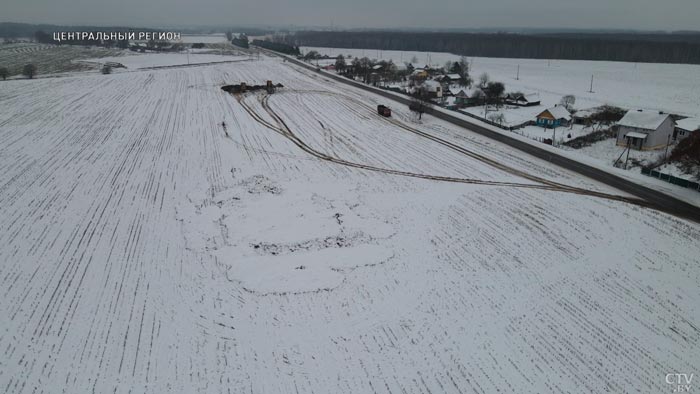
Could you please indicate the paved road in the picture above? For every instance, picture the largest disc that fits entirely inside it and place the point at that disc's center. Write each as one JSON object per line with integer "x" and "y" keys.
{"x": 660, "y": 201}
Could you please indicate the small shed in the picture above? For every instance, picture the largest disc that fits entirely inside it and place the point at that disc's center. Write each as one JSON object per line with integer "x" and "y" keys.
{"x": 584, "y": 116}
{"x": 522, "y": 99}
{"x": 556, "y": 116}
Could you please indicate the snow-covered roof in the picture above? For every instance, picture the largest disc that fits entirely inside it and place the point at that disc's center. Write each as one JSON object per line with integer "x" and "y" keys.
{"x": 525, "y": 96}
{"x": 376, "y": 66}
{"x": 634, "y": 134}
{"x": 587, "y": 113}
{"x": 454, "y": 76}
{"x": 647, "y": 120}
{"x": 689, "y": 124}
{"x": 559, "y": 112}
{"x": 432, "y": 85}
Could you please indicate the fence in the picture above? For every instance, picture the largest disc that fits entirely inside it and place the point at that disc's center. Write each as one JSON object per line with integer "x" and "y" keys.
{"x": 672, "y": 179}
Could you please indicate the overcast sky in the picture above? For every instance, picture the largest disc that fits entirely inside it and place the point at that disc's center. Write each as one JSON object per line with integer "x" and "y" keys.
{"x": 609, "y": 14}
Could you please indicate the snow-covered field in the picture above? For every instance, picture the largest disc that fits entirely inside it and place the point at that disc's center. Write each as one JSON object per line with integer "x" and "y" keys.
{"x": 167, "y": 59}
{"x": 313, "y": 246}
{"x": 51, "y": 59}
{"x": 671, "y": 88}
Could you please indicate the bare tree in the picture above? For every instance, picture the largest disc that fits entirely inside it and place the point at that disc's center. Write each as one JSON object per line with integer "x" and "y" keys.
{"x": 568, "y": 101}
{"x": 4, "y": 73}
{"x": 340, "y": 63}
{"x": 497, "y": 117}
{"x": 420, "y": 103}
{"x": 448, "y": 66}
{"x": 29, "y": 71}
{"x": 494, "y": 92}
{"x": 483, "y": 80}
{"x": 465, "y": 79}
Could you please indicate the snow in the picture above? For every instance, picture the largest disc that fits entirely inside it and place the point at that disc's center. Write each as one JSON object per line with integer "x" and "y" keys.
{"x": 647, "y": 120}
{"x": 514, "y": 115}
{"x": 688, "y": 124}
{"x": 167, "y": 59}
{"x": 674, "y": 170}
{"x": 144, "y": 250}
{"x": 634, "y": 134}
{"x": 561, "y": 134}
{"x": 671, "y": 88}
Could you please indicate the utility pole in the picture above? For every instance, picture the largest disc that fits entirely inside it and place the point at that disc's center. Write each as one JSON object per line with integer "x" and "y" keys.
{"x": 591, "y": 90}
{"x": 554, "y": 135}
{"x": 668, "y": 142}
{"x": 517, "y": 75}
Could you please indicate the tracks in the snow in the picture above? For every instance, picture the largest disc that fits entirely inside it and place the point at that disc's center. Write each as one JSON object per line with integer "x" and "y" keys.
{"x": 281, "y": 127}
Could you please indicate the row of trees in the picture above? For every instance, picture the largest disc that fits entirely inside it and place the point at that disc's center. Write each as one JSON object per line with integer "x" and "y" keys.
{"x": 373, "y": 71}
{"x": 28, "y": 71}
{"x": 674, "y": 48}
{"x": 277, "y": 46}
{"x": 240, "y": 41}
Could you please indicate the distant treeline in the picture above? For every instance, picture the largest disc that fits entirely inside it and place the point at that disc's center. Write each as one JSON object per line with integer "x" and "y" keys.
{"x": 277, "y": 46}
{"x": 627, "y": 47}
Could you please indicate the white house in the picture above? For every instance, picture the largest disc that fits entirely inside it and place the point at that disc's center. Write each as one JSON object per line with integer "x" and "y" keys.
{"x": 433, "y": 88}
{"x": 685, "y": 127}
{"x": 645, "y": 130}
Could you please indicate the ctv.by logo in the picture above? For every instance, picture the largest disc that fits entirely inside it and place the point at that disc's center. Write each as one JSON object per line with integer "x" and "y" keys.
{"x": 680, "y": 381}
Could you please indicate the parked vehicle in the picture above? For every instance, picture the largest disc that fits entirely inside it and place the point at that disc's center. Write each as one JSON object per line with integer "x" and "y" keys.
{"x": 383, "y": 110}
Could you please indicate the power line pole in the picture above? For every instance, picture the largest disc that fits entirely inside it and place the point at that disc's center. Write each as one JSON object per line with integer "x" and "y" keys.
{"x": 517, "y": 75}
{"x": 591, "y": 90}
{"x": 668, "y": 142}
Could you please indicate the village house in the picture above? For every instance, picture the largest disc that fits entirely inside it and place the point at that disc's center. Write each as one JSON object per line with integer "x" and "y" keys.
{"x": 448, "y": 79}
{"x": 462, "y": 98}
{"x": 523, "y": 100}
{"x": 645, "y": 130}
{"x": 556, "y": 116}
{"x": 419, "y": 73}
{"x": 685, "y": 127}
{"x": 433, "y": 88}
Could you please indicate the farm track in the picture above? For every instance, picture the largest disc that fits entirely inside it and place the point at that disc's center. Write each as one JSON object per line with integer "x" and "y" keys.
{"x": 657, "y": 200}
{"x": 282, "y": 128}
